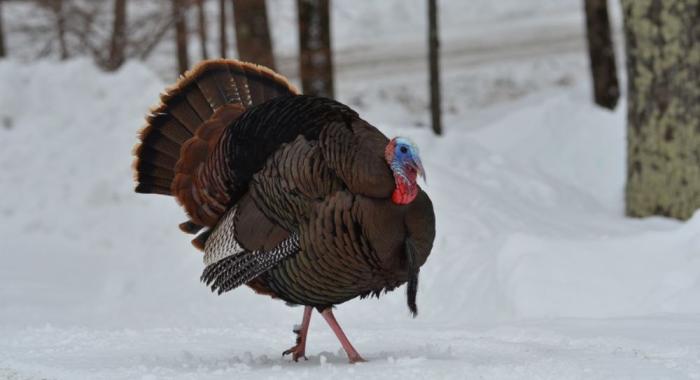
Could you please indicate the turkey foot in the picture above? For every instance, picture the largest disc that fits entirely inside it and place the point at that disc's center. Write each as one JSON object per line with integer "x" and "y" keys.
{"x": 299, "y": 349}
{"x": 353, "y": 355}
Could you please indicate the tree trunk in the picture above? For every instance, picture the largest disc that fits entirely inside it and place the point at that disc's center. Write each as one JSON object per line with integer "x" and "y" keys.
{"x": 223, "y": 41}
{"x": 252, "y": 32}
{"x": 118, "y": 41}
{"x": 663, "y": 115}
{"x": 434, "y": 52}
{"x": 202, "y": 21}
{"x": 315, "y": 55}
{"x": 57, "y": 6}
{"x": 179, "y": 15}
{"x": 606, "y": 89}
{"x": 3, "y": 51}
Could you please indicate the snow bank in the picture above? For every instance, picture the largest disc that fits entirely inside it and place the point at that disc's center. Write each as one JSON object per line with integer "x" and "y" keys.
{"x": 529, "y": 211}
{"x": 79, "y": 247}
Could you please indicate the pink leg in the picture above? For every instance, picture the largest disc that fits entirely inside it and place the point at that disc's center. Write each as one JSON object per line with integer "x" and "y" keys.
{"x": 353, "y": 355}
{"x": 299, "y": 350}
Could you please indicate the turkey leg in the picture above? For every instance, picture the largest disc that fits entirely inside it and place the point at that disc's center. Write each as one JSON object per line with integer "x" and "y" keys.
{"x": 299, "y": 350}
{"x": 353, "y": 355}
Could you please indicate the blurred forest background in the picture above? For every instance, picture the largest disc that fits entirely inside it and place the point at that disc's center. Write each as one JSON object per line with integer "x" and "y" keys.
{"x": 663, "y": 178}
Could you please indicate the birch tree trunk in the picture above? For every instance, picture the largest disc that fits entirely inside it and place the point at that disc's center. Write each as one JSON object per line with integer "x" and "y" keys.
{"x": 663, "y": 116}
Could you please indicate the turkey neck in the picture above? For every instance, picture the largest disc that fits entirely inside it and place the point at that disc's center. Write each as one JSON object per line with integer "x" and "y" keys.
{"x": 406, "y": 187}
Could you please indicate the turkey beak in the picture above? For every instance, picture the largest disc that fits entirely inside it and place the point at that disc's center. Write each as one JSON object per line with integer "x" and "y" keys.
{"x": 418, "y": 166}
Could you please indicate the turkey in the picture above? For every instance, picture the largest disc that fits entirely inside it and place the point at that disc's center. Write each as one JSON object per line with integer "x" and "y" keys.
{"x": 294, "y": 196}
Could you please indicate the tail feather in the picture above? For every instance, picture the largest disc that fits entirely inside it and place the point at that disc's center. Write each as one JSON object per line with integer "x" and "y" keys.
{"x": 230, "y": 89}
{"x": 255, "y": 91}
{"x": 181, "y": 111}
{"x": 152, "y": 161}
{"x": 145, "y": 188}
{"x": 174, "y": 147}
{"x": 167, "y": 126}
{"x": 213, "y": 85}
{"x": 199, "y": 103}
{"x": 161, "y": 143}
{"x": 243, "y": 88}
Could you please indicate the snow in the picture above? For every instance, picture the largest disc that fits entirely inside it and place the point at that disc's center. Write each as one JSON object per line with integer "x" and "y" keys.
{"x": 536, "y": 273}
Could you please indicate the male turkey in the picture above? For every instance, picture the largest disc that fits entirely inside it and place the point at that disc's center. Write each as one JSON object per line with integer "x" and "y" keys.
{"x": 296, "y": 196}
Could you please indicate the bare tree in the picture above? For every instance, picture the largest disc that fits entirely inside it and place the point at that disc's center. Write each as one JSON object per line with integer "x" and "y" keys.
{"x": 56, "y": 30}
{"x": 59, "y": 14}
{"x": 143, "y": 40}
{"x": 223, "y": 41}
{"x": 606, "y": 89}
{"x": 315, "y": 56}
{"x": 100, "y": 29}
{"x": 252, "y": 32}
{"x": 118, "y": 40}
{"x": 3, "y": 51}
{"x": 202, "y": 23}
{"x": 64, "y": 18}
{"x": 128, "y": 38}
{"x": 434, "y": 53}
{"x": 663, "y": 111}
{"x": 179, "y": 12}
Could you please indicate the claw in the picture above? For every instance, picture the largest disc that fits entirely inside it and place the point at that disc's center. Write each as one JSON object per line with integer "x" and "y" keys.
{"x": 297, "y": 352}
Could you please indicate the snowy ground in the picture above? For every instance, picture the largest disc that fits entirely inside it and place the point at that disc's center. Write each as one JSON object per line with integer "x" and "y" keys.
{"x": 535, "y": 271}
{"x": 633, "y": 348}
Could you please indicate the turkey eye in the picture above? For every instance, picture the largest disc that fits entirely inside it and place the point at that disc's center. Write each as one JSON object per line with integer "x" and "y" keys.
{"x": 403, "y": 149}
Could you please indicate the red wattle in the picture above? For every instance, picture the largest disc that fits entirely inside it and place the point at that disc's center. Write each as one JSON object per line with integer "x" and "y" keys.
{"x": 404, "y": 193}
